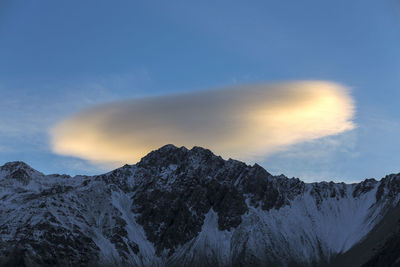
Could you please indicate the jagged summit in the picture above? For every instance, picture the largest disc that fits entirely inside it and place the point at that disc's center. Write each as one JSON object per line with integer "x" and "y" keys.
{"x": 18, "y": 171}
{"x": 15, "y": 165}
{"x": 171, "y": 153}
{"x": 187, "y": 207}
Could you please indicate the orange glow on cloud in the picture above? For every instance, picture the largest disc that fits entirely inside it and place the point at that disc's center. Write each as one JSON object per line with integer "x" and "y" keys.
{"x": 241, "y": 122}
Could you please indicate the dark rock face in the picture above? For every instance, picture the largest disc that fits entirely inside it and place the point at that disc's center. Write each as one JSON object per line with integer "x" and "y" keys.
{"x": 15, "y": 165}
{"x": 18, "y": 171}
{"x": 174, "y": 216}
{"x": 389, "y": 187}
{"x": 197, "y": 181}
{"x": 363, "y": 187}
{"x": 19, "y": 175}
{"x": 324, "y": 190}
{"x": 52, "y": 244}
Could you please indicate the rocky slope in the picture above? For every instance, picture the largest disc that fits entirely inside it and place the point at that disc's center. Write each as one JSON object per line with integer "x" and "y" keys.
{"x": 180, "y": 207}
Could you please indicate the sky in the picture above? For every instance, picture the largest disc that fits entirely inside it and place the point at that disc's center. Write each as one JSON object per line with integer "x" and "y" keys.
{"x": 61, "y": 60}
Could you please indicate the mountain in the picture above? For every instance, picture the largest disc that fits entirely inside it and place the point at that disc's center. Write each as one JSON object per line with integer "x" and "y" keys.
{"x": 180, "y": 207}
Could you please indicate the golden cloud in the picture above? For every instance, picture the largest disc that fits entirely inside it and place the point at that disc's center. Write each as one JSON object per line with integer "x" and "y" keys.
{"x": 240, "y": 122}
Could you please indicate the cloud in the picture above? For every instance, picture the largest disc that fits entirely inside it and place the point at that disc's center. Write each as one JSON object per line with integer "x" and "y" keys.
{"x": 241, "y": 122}
{"x": 316, "y": 160}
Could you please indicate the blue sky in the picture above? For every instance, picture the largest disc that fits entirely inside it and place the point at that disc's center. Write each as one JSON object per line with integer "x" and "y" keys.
{"x": 59, "y": 57}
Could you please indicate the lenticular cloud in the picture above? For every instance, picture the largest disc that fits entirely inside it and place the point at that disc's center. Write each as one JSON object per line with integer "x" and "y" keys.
{"x": 242, "y": 122}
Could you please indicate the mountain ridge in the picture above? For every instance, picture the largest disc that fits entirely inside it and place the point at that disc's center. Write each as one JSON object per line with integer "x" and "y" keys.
{"x": 180, "y": 207}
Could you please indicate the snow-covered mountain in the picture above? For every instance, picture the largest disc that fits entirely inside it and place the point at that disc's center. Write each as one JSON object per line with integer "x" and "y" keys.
{"x": 180, "y": 207}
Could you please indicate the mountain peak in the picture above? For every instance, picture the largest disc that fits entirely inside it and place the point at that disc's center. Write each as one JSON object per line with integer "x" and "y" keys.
{"x": 15, "y": 165}
{"x": 171, "y": 154}
{"x": 18, "y": 170}
{"x": 167, "y": 150}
